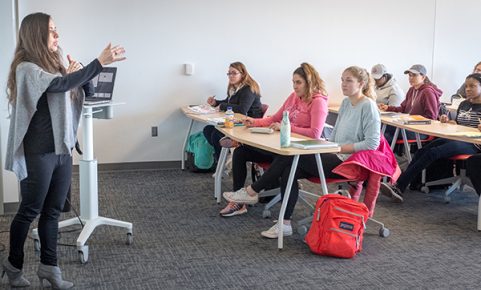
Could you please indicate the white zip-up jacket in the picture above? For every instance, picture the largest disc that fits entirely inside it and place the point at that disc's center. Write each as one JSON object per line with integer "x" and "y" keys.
{"x": 390, "y": 93}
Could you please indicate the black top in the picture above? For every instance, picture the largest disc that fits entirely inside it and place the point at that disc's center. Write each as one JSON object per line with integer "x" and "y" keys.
{"x": 468, "y": 114}
{"x": 39, "y": 136}
{"x": 244, "y": 101}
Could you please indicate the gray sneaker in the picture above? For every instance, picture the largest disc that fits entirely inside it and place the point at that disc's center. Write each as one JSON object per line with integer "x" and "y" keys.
{"x": 391, "y": 191}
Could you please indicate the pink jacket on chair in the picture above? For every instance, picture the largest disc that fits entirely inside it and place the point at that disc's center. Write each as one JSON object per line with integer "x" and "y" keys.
{"x": 362, "y": 163}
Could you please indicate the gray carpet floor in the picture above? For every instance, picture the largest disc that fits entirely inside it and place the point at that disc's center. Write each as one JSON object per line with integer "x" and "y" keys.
{"x": 180, "y": 242}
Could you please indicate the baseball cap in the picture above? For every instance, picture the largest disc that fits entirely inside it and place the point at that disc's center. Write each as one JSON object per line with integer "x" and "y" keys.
{"x": 378, "y": 71}
{"x": 417, "y": 69}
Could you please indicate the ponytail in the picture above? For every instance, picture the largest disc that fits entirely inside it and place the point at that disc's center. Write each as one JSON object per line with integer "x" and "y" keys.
{"x": 362, "y": 75}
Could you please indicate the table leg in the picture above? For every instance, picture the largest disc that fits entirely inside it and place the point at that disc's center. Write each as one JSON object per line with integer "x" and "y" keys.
{"x": 394, "y": 139}
{"x": 182, "y": 159}
{"x": 287, "y": 193}
{"x": 406, "y": 145}
{"x": 321, "y": 174}
{"x": 218, "y": 173}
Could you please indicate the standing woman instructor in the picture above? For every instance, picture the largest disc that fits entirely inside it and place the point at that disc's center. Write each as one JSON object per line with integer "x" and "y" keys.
{"x": 46, "y": 101}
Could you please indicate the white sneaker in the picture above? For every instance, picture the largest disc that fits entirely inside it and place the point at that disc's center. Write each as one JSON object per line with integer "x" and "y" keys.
{"x": 241, "y": 196}
{"x": 273, "y": 232}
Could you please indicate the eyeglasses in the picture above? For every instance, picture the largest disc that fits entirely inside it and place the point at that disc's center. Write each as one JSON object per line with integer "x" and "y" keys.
{"x": 233, "y": 74}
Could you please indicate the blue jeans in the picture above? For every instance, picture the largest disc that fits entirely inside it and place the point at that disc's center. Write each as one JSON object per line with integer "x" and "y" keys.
{"x": 437, "y": 149}
{"x": 43, "y": 192}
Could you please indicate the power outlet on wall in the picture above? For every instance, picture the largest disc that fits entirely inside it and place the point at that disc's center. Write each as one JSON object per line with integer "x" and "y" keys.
{"x": 154, "y": 131}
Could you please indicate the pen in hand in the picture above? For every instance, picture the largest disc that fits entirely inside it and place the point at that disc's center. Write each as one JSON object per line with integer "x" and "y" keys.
{"x": 211, "y": 100}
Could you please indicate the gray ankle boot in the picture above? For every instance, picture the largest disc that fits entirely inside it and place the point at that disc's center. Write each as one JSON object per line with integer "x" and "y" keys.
{"x": 15, "y": 276}
{"x": 53, "y": 275}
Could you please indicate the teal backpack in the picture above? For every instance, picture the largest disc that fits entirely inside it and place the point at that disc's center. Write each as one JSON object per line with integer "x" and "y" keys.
{"x": 200, "y": 154}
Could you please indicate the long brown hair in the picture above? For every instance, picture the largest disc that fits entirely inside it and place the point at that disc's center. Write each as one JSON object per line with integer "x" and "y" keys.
{"x": 32, "y": 46}
{"x": 362, "y": 75}
{"x": 314, "y": 83}
{"x": 246, "y": 78}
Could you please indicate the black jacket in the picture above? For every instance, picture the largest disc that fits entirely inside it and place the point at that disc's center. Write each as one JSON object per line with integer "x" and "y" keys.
{"x": 244, "y": 101}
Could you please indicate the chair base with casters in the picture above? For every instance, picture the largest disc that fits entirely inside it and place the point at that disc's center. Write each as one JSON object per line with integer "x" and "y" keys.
{"x": 457, "y": 181}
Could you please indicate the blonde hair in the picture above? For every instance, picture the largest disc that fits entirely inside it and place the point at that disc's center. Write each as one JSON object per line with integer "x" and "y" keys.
{"x": 32, "y": 46}
{"x": 362, "y": 75}
{"x": 313, "y": 81}
{"x": 246, "y": 79}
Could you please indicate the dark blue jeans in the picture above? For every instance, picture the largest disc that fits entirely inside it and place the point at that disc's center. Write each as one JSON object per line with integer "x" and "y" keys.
{"x": 213, "y": 136}
{"x": 437, "y": 149}
{"x": 43, "y": 192}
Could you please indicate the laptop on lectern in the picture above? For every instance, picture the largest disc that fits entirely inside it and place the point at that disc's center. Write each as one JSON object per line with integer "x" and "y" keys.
{"x": 104, "y": 86}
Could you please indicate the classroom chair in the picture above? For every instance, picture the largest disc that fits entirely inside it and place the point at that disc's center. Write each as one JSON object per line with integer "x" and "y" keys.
{"x": 458, "y": 181}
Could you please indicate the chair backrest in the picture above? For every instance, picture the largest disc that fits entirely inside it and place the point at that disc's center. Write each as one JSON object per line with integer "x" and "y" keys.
{"x": 264, "y": 109}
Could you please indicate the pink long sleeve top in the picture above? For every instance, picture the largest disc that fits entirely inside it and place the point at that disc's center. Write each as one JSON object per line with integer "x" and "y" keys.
{"x": 306, "y": 119}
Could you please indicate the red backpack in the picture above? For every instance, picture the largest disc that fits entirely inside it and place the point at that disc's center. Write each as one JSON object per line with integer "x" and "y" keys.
{"x": 337, "y": 226}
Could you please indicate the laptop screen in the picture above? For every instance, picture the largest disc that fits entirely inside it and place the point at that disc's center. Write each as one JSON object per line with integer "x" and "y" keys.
{"x": 104, "y": 85}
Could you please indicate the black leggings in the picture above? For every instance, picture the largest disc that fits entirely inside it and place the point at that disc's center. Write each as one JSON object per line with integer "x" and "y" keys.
{"x": 241, "y": 155}
{"x": 43, "y": 192}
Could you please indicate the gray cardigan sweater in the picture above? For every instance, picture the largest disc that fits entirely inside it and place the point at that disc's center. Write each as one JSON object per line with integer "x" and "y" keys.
{"x": 32, "y": 82}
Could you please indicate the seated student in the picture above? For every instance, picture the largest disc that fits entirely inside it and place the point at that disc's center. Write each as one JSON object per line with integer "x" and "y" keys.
{"x": 357, "y": 128}
{"x": 462, "y": 90}
{"x": 307, "y": 107}
{"x": 422, "y": 99}
{"x": 243, "y": 95}
{"x": 468, "y": 114}
{"x": 387, "y": 89}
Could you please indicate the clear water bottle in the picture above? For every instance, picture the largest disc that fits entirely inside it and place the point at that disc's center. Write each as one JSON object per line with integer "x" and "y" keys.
{"x": 285, "y": 130}
{"x": 229, "y": 118}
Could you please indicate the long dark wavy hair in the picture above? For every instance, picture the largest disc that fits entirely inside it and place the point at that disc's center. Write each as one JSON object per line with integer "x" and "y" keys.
{"x": 32, "y": 46}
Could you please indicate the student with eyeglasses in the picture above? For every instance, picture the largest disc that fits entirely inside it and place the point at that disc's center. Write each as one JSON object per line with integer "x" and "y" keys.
{"x": 468, "y": 114}
{"x": 243, "y": 96}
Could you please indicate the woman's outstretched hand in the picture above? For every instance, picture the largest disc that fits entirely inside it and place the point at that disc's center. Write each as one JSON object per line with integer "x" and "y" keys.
{"x": 111, "y": 54}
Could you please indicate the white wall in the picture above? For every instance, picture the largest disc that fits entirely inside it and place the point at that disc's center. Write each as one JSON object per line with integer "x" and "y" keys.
{"x": 8, "y": 181}
{"x": 272, "y": 37}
